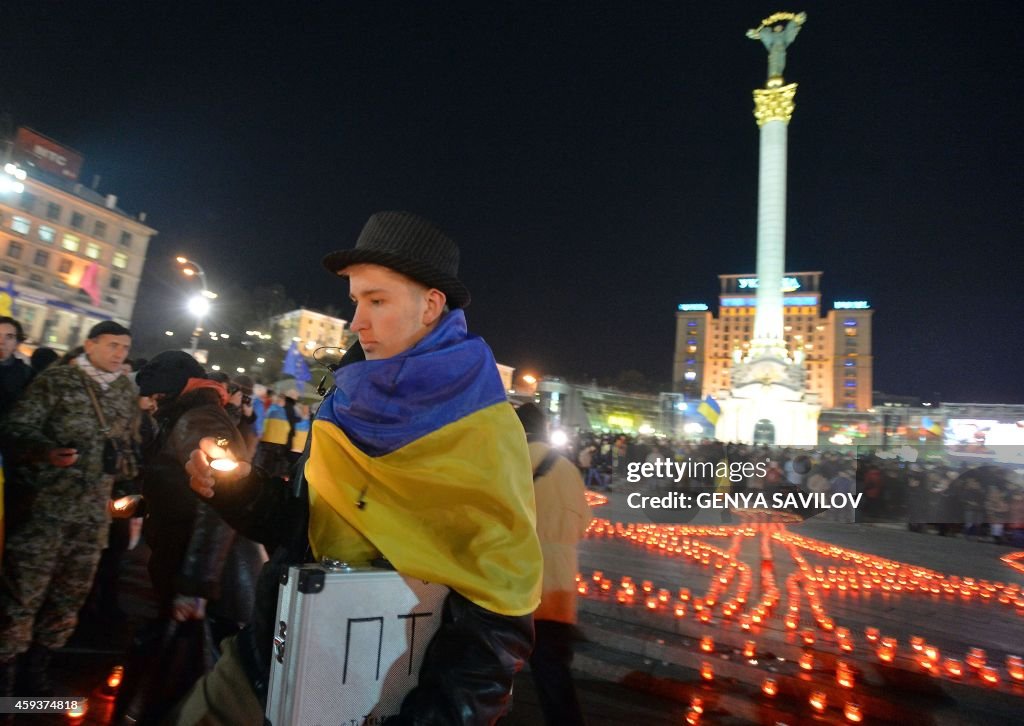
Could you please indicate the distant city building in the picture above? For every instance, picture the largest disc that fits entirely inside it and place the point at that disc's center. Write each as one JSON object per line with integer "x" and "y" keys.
{"x": 835, "y": 347}
{"x": 310, "y": 329}
{"x": 506, "y": 373}
{"x": 69, "y": 256}
{"x": 577, "y": 406}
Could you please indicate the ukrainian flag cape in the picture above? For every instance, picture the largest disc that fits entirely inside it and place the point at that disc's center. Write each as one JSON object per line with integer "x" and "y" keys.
{"x": 419, "y": 457}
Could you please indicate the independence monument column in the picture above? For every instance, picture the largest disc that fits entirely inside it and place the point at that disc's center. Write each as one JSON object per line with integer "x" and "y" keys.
{"x": 773, "y": 109}
{"x": 768, "y": 401}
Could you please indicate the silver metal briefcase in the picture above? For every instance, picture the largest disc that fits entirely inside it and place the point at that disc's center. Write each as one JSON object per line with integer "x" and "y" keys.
{"x": 348, "y": 644}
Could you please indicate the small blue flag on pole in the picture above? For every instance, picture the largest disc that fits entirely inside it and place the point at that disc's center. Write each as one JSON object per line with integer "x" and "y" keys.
{"x": 295, "y": 364}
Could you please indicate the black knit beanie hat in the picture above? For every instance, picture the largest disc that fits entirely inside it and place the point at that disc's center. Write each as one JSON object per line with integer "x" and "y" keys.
{"x": 168, "y": 373}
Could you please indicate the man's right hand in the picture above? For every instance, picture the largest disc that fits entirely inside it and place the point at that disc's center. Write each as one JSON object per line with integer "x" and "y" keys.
{"x": 62, "y": 457}
{"x": 203, "y": 478}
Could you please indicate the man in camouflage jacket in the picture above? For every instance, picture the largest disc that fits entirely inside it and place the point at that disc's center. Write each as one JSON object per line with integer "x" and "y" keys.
{"x": 58, "y": 522}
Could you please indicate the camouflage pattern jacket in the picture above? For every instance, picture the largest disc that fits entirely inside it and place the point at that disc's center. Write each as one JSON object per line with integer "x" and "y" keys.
{"x": 56, "y": 410}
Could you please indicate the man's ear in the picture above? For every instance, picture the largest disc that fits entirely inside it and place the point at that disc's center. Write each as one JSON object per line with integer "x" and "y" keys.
{"x": 435, "y": 306}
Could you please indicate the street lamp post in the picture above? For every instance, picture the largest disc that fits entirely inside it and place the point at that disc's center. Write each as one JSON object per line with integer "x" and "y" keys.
{"x": 200, "y": 304}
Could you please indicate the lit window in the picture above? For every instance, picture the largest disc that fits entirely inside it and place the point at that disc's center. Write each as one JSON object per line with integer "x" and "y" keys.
{"x": 99, "y": 229}
{"x": 77, "y": 220}
{"x": 120, "y": 260}
{"x": 851, "y": 384}
{"x": 70, "y": 242}
{"x": 691, "y": 324}
{"x": 851, "y": 332}
{"x": 690, "y": 376}
{"x": 21, "y": 225}
{"x": 850, "y": 323}
{"x": 92, "y": 251}
{"x": 47, "y": 234}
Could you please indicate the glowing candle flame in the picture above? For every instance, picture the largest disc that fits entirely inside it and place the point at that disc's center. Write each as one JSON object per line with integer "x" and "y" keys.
{"x": 818, "y": 701}
{"x": 224, "y": 464}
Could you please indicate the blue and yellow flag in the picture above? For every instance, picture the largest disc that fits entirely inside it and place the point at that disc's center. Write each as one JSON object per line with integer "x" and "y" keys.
{"x": 930, "y": 426}
{"x": 710, "y": 410}
{"x": 420, "y": 458}
{"x": 7, "y": 296}
{"x": 276, "y": 426}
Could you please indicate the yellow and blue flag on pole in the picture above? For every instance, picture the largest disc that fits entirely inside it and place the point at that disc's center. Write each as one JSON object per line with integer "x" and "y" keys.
{"x": 421, "y": 459}
{"x": 710, "y": 410}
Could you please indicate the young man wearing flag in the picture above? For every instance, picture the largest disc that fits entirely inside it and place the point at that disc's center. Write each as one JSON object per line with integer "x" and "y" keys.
{"x": 415, "y": 456}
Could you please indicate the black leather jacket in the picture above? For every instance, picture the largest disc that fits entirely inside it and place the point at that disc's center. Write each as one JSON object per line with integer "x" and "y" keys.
{"x": 194, "y": 551}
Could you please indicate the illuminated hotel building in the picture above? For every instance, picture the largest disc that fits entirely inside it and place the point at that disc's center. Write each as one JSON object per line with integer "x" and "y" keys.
{"x": 836, "y": 347}
{"x": 310, "y": 329}
{"x": 56, "y": 235}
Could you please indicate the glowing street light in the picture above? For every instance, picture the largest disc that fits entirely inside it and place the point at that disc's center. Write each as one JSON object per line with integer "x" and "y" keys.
{"x": 198, "y": 306}
{"x": 11, "y": 180}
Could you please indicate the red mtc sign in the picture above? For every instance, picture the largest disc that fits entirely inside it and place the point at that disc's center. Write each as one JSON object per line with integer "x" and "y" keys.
{"x": 46, "y": 154}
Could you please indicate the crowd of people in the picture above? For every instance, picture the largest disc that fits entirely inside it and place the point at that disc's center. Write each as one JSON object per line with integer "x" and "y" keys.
{"x": 948, "y": 497}
{"x": 94, "y": 446}
{"x": 414, "y": 460}
{"x": 100, "y": 452}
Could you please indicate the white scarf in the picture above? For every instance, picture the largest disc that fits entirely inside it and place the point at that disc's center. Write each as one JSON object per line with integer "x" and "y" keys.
{"x": 102, "y": 378}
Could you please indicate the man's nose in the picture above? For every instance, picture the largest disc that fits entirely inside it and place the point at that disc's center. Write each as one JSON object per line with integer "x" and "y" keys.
{"x": 358, "y": 322}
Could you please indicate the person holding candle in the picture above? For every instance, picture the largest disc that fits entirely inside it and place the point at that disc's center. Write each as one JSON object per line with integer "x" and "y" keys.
{"x": 416, "y": 456}
{"x": 58, "y": 446}
{"x": 199, "y": 566}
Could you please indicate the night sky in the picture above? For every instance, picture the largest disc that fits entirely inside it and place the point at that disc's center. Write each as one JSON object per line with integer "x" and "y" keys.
{"x": 596, "y": 161}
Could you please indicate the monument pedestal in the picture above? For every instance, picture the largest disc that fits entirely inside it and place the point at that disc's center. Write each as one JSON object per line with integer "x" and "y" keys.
{"x": 768, "y": 419}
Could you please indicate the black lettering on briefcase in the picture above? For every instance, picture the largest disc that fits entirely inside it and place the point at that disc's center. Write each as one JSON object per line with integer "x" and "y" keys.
{"x": 348, "y": 642}
{"x": 412, "y": 633}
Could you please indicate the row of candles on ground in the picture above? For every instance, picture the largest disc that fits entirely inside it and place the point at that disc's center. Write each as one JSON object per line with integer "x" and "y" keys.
{"x": 1014, "y": 560}
{"x": 676, "y": 539}
{"x": 928, "y": 658}
{"x": 870, "y": 572}
{"x": 594, "y": 499}
{"x": 817, "y": 700}
{"x": 928, "y": 655}
{"x": 887, "y": 574}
